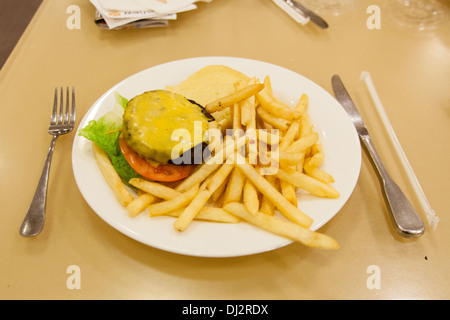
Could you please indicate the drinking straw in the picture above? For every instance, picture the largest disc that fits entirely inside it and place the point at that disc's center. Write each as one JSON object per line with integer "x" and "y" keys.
{"x": 433, "y": 219}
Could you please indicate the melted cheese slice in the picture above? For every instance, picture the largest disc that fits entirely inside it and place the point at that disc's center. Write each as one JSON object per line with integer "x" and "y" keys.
{"x": 160, "y": 125}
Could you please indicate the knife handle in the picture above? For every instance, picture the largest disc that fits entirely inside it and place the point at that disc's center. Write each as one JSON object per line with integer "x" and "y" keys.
{"x": 405, "y": 218}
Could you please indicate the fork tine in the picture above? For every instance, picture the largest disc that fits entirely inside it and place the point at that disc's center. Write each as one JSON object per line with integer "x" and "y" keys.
{"x": 63, "y": 115}
{"x": 66, "y": 114}
{"x": 61, "y": 107}
{"x": 55, "y": 108}
{"x": 72, "y": 116}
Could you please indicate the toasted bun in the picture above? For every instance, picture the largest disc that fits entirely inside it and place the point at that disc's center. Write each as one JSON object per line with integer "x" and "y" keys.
{"x": 209, "y": 84}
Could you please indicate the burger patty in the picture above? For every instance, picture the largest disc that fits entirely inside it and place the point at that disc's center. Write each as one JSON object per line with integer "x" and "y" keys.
{"x": 151, "y": 119}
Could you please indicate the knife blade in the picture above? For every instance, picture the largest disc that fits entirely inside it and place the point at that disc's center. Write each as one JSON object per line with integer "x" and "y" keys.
{"x": 406, "y": 220}
{"x": 317, "y": 20}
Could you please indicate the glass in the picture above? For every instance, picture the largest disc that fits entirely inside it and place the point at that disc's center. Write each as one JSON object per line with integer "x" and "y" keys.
{"x": 417, "y": 14}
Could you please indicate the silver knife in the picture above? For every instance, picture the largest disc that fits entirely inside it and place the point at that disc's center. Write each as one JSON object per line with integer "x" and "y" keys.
{"x": 405, "y": 218}
{"x": 317, "y": 20}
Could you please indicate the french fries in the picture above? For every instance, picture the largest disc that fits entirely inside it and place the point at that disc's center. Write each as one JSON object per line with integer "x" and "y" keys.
{"x": 251, "y": 174}
{"x": 283, "y": 228}
{"x": 112, "y": 178}
{"x": 291, "y": 212}
{"x": 139, "y": 204}
{"x": 237, "y": 96}
{"x": 272, "y": 105}
{"x": 235, "y": 186}
{"x": 198, "y": 202}
{"x": 303, "y": 143}
{"x": 250, "y": 194}
{"x": 156, "y": 189}
{"x": 277, "y": 122}
{"x": 267, "y": 206}
{"x": 307, "y": 183}
{"x": 212, "y": 214}
{"x": 165, "y": 207}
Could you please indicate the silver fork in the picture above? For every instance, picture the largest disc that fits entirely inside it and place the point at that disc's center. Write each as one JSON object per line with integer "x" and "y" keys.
{"x": 61, "y": 122}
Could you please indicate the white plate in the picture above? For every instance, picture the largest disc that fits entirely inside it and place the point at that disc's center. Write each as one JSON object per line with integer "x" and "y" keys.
{"x": 337, "y": 133}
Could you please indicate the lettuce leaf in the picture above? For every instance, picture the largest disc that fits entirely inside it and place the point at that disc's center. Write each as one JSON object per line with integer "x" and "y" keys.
{"x": 105, "y": 133}
{"x": 120, "y": 100}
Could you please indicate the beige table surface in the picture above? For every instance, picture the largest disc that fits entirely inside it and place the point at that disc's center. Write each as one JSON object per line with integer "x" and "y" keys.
{"x": 411, "y": 71}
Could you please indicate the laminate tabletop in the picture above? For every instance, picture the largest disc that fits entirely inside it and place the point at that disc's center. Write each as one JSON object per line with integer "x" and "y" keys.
{"x": 80, "y": 256}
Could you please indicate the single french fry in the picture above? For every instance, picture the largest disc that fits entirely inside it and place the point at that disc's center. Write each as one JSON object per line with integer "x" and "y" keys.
{"x": 282, "y": 227}
{"x": 139, "y": 204}
{"x": 311, "y": 169}
{"x": 250, "y": 120}
{"x": 268, "y": 85}
{"x": 268, "y": 190}
{"x": 235, "y": 186}
{"x": 236, "y": 96}
{"x": 317, "y": 159}
{"x": 317, "y": 153}
{"x": 189, "y": 213}
{"x": 307, "y": 183}
{"x": 246, "y": 113}
{"x": 305, "y": 125}
{"x": 303, "y": 143}
{"x": 269, "y": 103}
{"x": 252, "y": 146}
{"x": 237, "y": 116}
{"x": 320, "y": 175}
{"x": 302, "y": 104}
{"x": 164, "y": 207}
{"x": 112, "y": 178}
{"x": 276, "y": 122}
{"x": 197, "y": 177}
{"x": 250, "y": 197}
{"x": 211, "y": 214}
{"x": 215, "y": 181}
{"x": 156, "y": 189}
{"x": 220, "y": 190}
{"x": 267, "y": 206}
{"x": 287, "y": 158}
{"x": 248, "y": 110}
{"x": 290, "y": 135}
{"x": 288, "y": 191}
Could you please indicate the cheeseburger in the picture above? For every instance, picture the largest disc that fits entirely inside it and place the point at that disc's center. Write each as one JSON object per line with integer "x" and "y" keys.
{"x": 141, "y": 142}
{"x": 150, "y": 121}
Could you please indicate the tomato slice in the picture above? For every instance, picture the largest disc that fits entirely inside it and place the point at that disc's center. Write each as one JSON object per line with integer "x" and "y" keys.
{"x": 165, "y": 172}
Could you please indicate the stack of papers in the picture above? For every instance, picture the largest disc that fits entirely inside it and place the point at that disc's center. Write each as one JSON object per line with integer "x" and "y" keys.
{"x": 119, "y": 14}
